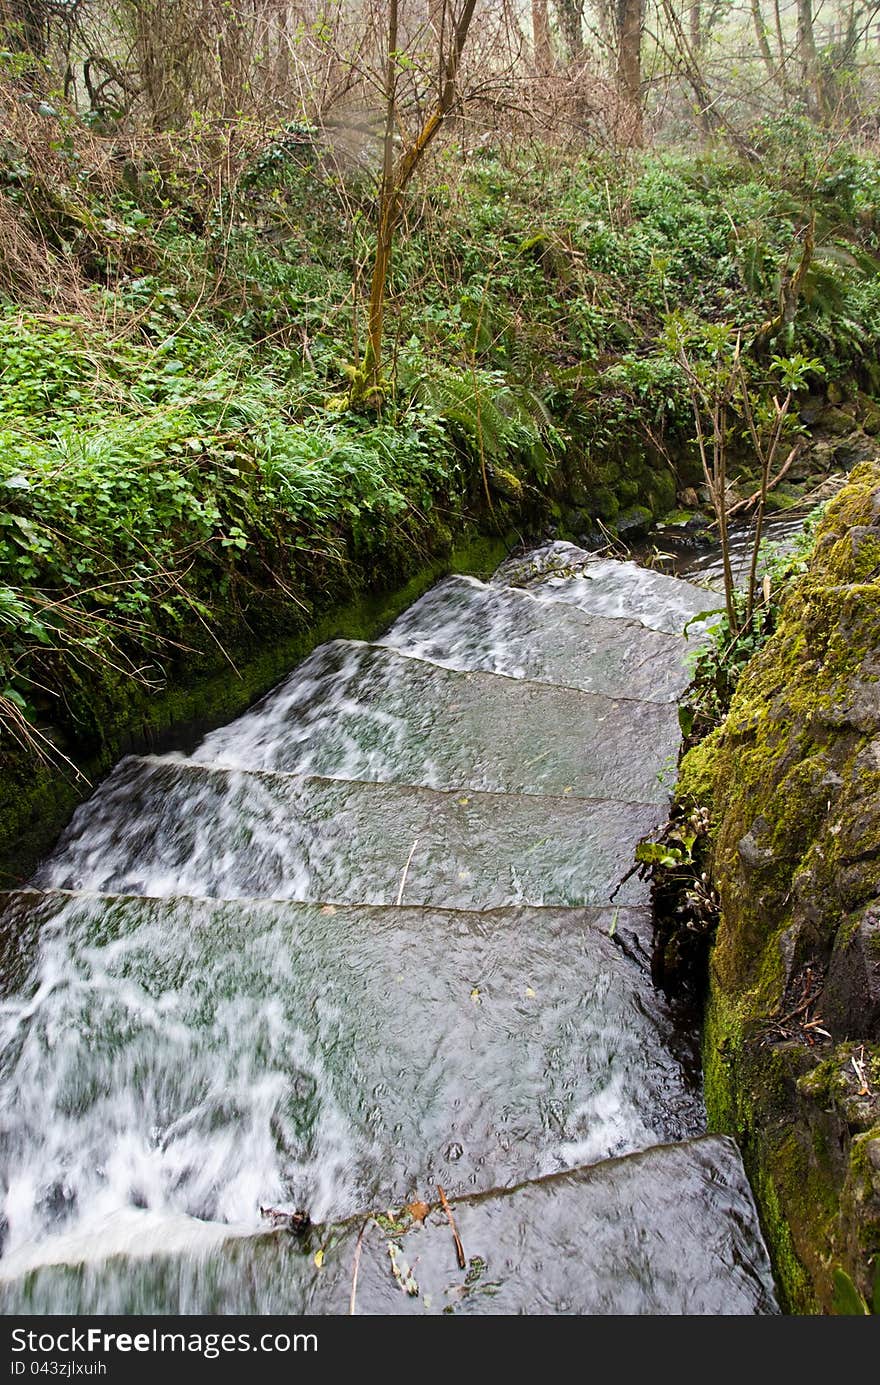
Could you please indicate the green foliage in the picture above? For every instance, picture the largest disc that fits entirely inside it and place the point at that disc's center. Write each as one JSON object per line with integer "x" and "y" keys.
{"x": 666, "y": 853}
{"x": 493, "y": 418}
{"x": 124, "y": 519}
{"x": 847, "y": 1302}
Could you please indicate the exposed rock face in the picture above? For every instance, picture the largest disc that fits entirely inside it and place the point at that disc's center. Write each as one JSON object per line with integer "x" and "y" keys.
{"x": 792, "y": 1044}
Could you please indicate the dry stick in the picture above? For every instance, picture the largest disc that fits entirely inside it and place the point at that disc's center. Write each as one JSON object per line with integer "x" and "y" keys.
{"x": 721, "y": 476}
{"x": 783, "y": 471}
{"x": 767, "y": 460}
{"x": 405, "y": 870}
{"x": 798, "y": 1010}
{"x": 356, "y": 1266}
{"x": 711, "y": 474}
{"x": 459, "y": 1248}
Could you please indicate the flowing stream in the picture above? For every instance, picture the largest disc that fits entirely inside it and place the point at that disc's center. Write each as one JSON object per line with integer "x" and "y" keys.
{"x": 359, "y": 943}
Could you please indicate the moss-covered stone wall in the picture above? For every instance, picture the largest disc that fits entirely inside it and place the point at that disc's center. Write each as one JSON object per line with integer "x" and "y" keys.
{"x": 792, "y": 1035}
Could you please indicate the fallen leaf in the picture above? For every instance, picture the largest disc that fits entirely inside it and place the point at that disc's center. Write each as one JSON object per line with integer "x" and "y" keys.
{"x": 530, "y": 993}
{"x": 329, "y": 909}
{"x": 463, "y": 801}
{"x": 475, "y": 995}
{"x": 417, "y": 1210}
{"x": 319, "y": 1258}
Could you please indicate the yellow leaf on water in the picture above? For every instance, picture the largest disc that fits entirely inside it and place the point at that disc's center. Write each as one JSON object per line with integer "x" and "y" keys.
{"x": 568, "y": 789}
{"x": 319, "y": 1258}
{"x": 463, "y": 801}
{"x": 530, "y": 993}
{"x": 475, "y": 995}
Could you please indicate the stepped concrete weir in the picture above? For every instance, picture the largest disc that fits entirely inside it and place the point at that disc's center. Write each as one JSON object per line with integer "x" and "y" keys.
{"x": 366, "y": 941}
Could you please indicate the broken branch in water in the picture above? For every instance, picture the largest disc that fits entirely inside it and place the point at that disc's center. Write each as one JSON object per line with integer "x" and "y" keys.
{"x": 459, "y": 1248}
{"x": 406, "y": 870}
{"x": 356, "y": 1266}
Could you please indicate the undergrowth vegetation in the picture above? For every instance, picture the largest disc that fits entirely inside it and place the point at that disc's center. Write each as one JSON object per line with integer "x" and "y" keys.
{"x": 177, "y": 435}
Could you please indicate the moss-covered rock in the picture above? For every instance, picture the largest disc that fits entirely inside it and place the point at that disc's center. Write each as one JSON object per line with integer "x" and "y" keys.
{"x": 792, "y": 1038}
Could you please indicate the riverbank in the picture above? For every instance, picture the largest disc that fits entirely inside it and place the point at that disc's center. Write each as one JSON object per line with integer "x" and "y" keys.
{"x": 790, "y": 788}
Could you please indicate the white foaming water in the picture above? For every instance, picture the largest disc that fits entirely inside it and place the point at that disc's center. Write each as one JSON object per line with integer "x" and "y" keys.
{"x": 154, "y": 1071}
{"x": 318, "y": 721}
{"x": 607, "y": 587}
{"x": 468, "y": 625}
{"x": 463, "y": 622}
{"x": 131, "y": 1232}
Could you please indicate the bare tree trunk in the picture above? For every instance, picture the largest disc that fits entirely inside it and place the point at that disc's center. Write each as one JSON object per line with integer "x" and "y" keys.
{"x": 437, "y": 16}
{"x": 630, "y": 18}
{"x": 541, "y": 36}
{"x": 604, "y": 10}
{"x": 397, "y": 175}
{"x": 230, "y": 52}
{"x": 762, "y": 40}
{"x": 695, "y": 17}
{"x": 385, "y": 233}
{"x": 809, "y": 59}
{"x": 570, "y": 14}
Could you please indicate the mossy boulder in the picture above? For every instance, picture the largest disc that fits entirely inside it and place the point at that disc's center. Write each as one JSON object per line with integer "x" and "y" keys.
{"x": 838, "y": 421}
{"x": 636, "y": 520}
{"x": 505, "y": 483}
{"x": 869, "y": 412}
{"x": 792, "y": 1038}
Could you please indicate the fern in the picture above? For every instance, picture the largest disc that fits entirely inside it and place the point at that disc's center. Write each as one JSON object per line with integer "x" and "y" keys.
{"x": 493, "y": 419}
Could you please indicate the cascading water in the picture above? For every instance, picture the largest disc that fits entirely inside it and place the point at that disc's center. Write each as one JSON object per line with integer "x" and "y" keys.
{"x": 360, "y": 943}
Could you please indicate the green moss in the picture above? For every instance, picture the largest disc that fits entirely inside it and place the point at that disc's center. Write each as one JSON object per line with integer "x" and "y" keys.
{"x": 636, "y": 517}
{"x": 853, "y": 505}
{"x": 793, "y": 784}
{"x": 605, "y": 504}
{"x": 661, "y": 492}
{"x": 795, "y": 1289}
{"x": 731, "y": 1110}
{"x": 628, "y": 491}
{"x": 506, "y": 483}
{"x": 697, "y": 772}
{"x": 778, "y": 500}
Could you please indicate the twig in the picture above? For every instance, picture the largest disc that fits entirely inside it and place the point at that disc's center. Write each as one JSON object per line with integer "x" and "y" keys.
{"x": 406, "y": 870}
{"x": 859, "y": 1068}
{"x": 753, "y": 499}
{"x": 798, "y": 1010}
{"x": 459, "y": 1248}
{"x": 356, "y": 1266}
